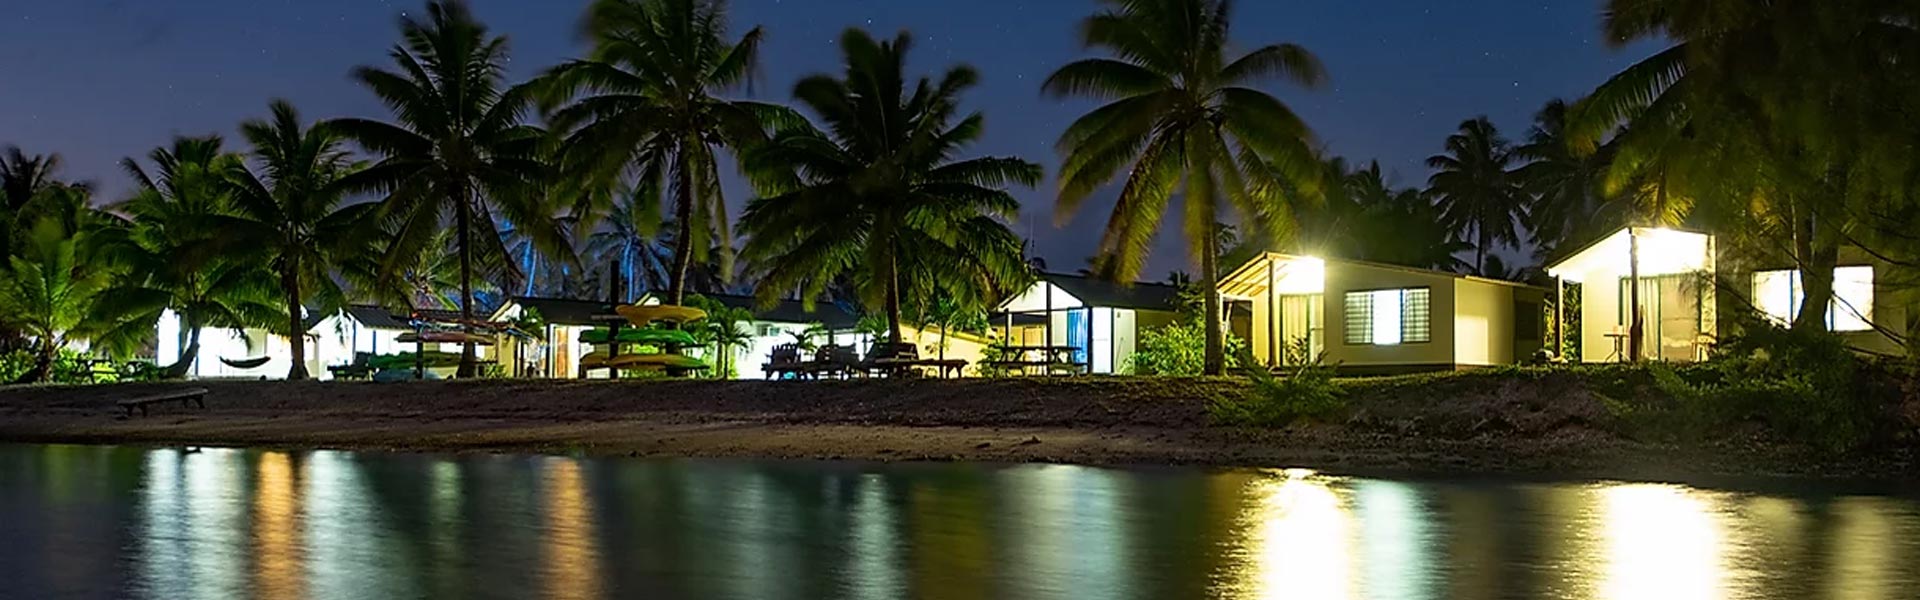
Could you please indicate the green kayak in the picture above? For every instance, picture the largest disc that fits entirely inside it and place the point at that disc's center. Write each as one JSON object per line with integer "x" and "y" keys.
{"x": 641, "y": 336}
{"x": 404, "y": 360}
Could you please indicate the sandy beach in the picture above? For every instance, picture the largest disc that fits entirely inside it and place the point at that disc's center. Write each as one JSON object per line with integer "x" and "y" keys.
{"x": 1524, "y": 428}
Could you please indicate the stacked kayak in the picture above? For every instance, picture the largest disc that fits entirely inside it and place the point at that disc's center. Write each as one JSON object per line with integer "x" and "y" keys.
{"x": 656, "y": 333}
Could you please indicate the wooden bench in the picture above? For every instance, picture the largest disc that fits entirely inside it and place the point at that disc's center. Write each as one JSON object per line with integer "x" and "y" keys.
{"x": 187, "y": 398}
{"x": 832, "y": 361}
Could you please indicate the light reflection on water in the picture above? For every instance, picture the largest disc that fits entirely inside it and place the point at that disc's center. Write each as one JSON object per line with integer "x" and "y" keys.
{"x": 94, "y": 522}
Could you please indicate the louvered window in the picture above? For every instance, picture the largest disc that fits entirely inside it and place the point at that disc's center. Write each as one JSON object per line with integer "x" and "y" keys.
{"x": 1388, "y": 317}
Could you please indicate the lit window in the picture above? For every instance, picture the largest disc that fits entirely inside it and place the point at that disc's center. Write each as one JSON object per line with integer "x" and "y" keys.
{"x": 1779, "y": 294}
{"x": 1388, "y": 317}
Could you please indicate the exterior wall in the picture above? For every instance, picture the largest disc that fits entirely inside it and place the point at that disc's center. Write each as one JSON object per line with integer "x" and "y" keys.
{"x": 1115, "y": 338}
{"x": 1484, "y": 315}
{"x": 217, "y": 343}
{"x": 1896, "y": 299}
{"x": 1348, "y": 277}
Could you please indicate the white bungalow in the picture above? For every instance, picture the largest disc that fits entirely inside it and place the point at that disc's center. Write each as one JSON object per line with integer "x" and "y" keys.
{"x": 1372, "y": 318}
{"x": 559, "y": 348}
{"x": 1099, "y": 321}
{"x": 1674, "y": 295}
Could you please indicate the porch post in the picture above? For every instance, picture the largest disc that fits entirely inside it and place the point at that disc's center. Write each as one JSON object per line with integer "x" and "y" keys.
{"x": 1273, "y": 319}
{"x": 1046, "y": 327}
{"x": 1559, "y": 316}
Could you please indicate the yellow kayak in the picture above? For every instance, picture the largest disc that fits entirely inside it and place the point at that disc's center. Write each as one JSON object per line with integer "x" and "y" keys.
{"x": 646, "y": 315}
{"x": 594, "y": 360}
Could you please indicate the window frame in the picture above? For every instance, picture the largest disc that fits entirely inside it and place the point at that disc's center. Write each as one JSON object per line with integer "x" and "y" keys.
{"x": 1797, "y": 297}
{"x": 1346, "y": 316}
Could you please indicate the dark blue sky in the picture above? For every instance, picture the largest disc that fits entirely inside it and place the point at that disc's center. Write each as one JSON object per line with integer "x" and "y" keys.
{"x": 95, "y": 80}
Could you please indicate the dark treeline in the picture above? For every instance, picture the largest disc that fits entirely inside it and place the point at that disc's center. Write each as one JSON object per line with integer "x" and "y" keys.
{"x": 1786, "y": 127}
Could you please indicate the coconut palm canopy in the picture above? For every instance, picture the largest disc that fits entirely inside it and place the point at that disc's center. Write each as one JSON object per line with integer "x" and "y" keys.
{"x": 1783, "y": 117}
{"x": 646, "y": 118}
{"x": 878, "y": 195}
{"x": 1186, "y": 116}
{"x": 460, "y": 151}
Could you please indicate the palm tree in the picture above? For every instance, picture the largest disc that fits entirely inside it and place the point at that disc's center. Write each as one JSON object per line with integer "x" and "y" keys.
{"x": 177, "y": 254}
{"x": 1183, "y": 117}
{"x": 628, "y": 238}
{"x": 645, "y": 115}
{"x": 1564, "y": 185}
{"x": 22, "y": 178}
{"x": 293, "y": 215}
{"x": 458, "y": 146}
{"x": 430, "y": 279}
{"x": 50, "y": 291}
{"x": 1384, "y": 224}
{"x": 726, "y": 329}
{"x": 1476, "y": 188}
{"x": 878, "y": 195}
{"x": 1789, "y": 119}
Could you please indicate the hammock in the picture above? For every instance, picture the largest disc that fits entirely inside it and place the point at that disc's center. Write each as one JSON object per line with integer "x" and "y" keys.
{"x": 246, "y": 363}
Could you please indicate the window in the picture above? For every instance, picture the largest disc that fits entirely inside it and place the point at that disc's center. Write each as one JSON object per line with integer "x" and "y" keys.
{"x": 1779, "y": 294}
{"x": 1388, "y": 317}
{"x": 1527, "y": 318}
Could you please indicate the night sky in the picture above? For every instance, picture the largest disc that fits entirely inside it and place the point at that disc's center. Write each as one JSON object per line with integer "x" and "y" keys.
{"x": 96, "y": 80}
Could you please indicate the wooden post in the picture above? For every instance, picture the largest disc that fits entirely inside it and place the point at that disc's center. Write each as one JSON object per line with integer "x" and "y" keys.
{"x": 1559, "y": 317}
{"x": 1273, "y": 318}
{"x": 1046, "y": 326}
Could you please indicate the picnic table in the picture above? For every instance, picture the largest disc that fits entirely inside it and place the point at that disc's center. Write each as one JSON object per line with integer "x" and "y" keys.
{"x": 1047, "y": 358}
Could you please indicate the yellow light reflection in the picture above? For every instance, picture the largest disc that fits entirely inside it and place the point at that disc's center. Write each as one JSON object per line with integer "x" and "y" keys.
{"x": 1298, "y": 542}
{"x": 278, "y": 562}
{"x": 1864, "y": 564}
{"x": 1662, "y": 541}
{"x": 573, "y": 559}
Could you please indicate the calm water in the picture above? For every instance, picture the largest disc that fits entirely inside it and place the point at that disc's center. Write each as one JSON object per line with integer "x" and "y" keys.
{"x": 97, "y": 522}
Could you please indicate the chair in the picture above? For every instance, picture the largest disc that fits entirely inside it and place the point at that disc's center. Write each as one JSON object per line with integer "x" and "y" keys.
{"x": 784, "y": 361}
{"x": 833, "y": 361}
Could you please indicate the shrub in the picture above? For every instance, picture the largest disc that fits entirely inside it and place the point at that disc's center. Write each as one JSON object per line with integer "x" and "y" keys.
{"x": 1806, "y": 386}
{"x": 69, "y": 366}
{"x": 1308, "y": 392}
{"x": 1179, "y": 349}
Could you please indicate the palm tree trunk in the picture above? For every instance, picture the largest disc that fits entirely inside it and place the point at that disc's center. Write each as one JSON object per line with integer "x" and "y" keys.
{"x": 893, "y": 297}
{"x": 42, "y": 364}
{"x": 1636, "y": 326}
{"x": 463, "y": 214}
{"x": 180, "y": 367}
{"x": 683, "y": 243}
{"x": 1216, "y": 354}
{"x": 295, "y": 333}
{"x": 1480, "y": 251}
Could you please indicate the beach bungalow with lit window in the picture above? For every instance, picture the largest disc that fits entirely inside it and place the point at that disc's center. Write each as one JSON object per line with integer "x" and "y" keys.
{"x": 1365, "y": 318}
{"x": 1097, "y": 323}
{"x": 1870, "y": 300}
{"x": 1674, "y": 293}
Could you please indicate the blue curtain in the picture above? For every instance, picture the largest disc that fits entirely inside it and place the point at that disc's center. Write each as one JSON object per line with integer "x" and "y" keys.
{"x": 1077, "y": 334}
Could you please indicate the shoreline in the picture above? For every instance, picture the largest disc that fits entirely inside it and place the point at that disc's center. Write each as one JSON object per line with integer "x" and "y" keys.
{"x": 1101, "y": 422}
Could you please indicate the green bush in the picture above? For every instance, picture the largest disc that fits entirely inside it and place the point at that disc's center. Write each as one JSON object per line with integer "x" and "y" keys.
{"x": 1309, "y": 392}
{"x": 1805, "y": 386}
{"x": 69, "y": 366}
{"x": 1179, "y": 349}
